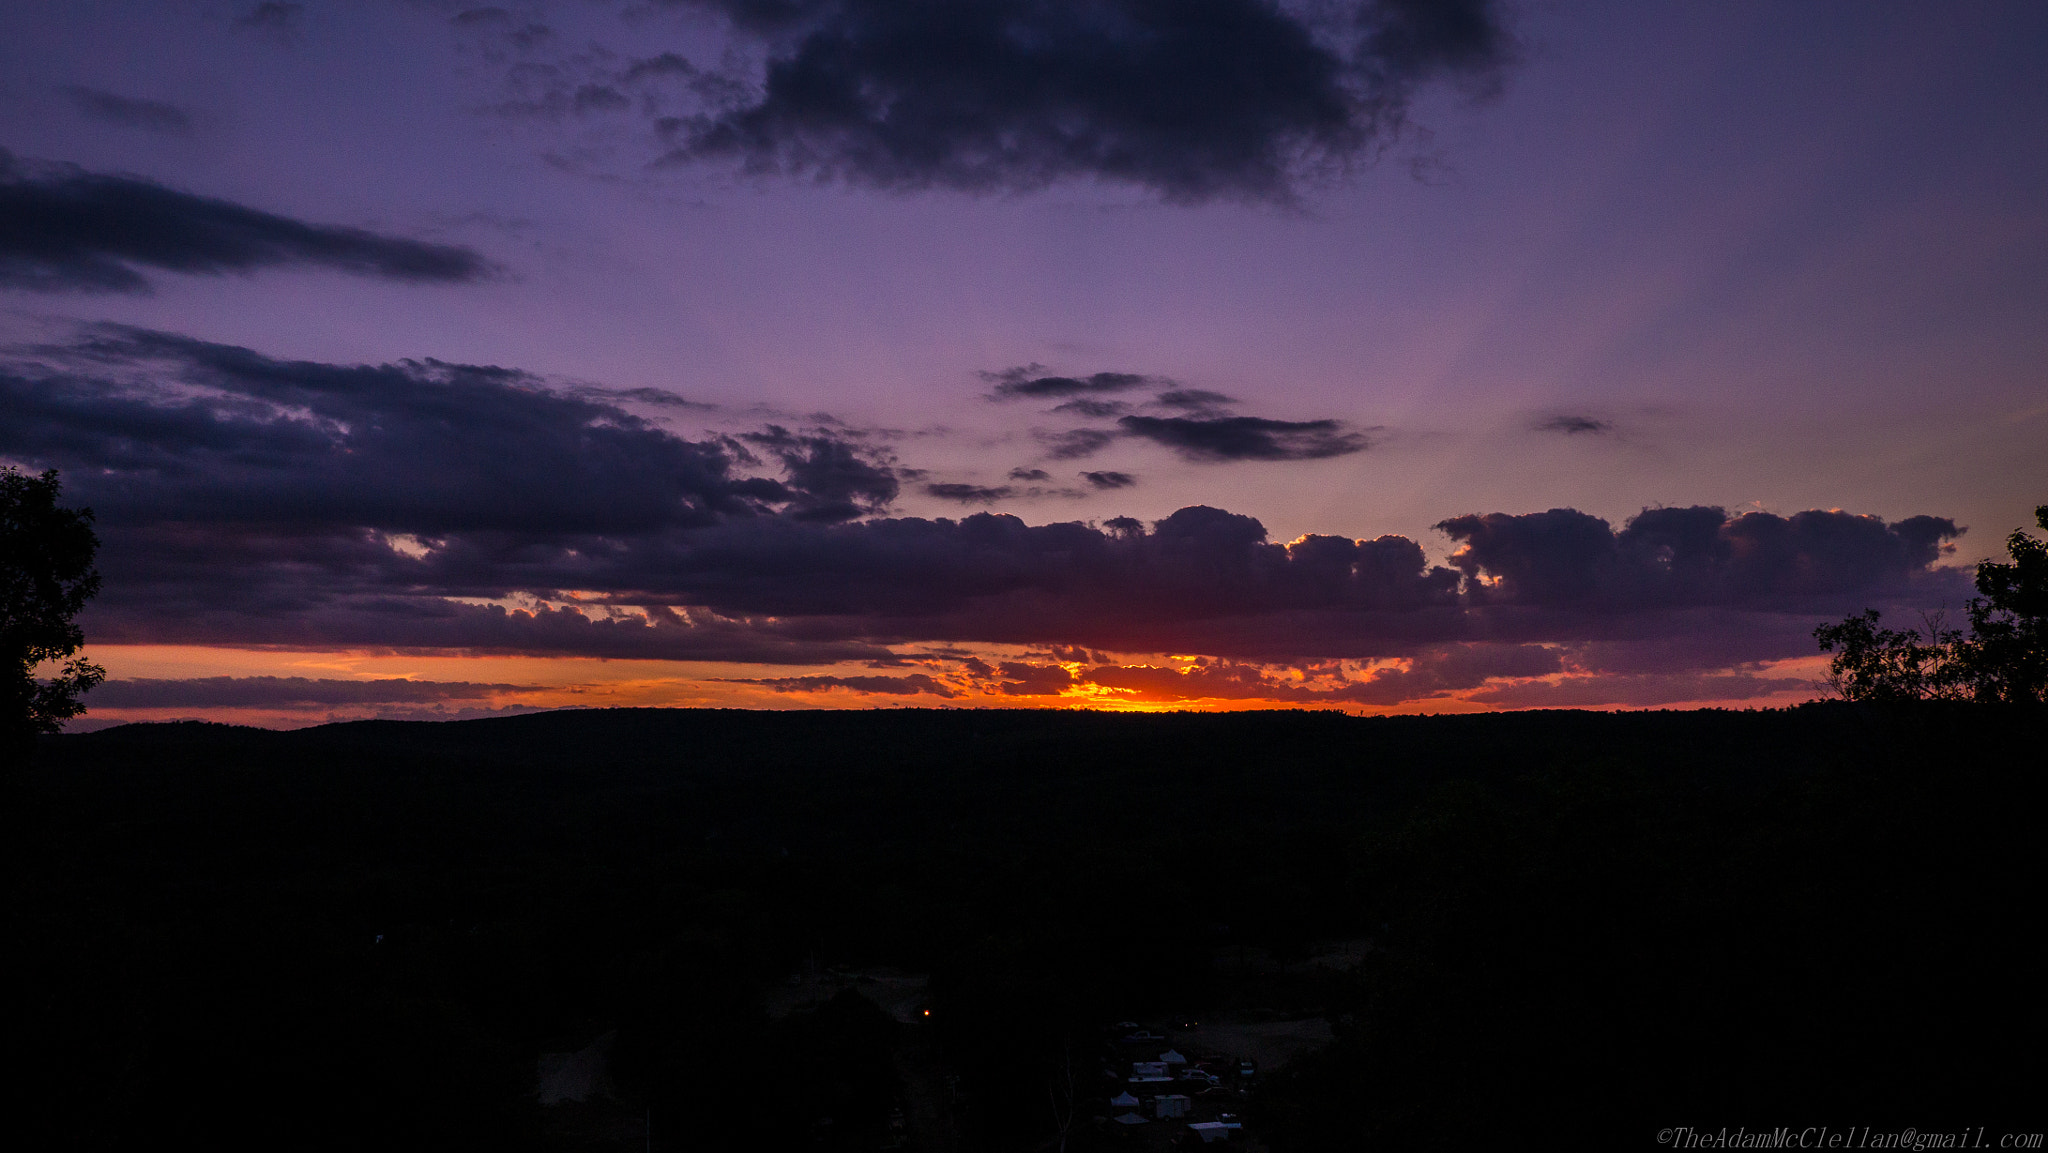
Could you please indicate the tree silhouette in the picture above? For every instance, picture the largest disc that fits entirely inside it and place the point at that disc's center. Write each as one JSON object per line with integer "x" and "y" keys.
{"x": 2003, "y": 658}
{"x": 46, "y": 576}
{"x": 2008, "y": 644}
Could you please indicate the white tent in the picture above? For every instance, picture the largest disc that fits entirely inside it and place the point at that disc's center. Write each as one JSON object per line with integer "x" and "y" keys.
{"x": 1171, "y": 1105}
{"x": 1172, "y": 1057}
{"x": 1123, "y": 1101}
{"x": 1129, "y": 1119}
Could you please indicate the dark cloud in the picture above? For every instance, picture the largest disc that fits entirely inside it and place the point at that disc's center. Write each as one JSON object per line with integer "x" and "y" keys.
{"x": 1431, "y": 673}
{"x": 1640, "y": 690}
{"x": 1191, "y": 99}
{"x": 1023, "y": 679}
{"x": 278, "y": 21}
{"x": 657, "y": 397}
{"x": 148, "y": 115}
{"x": 599, "y": 98}
{"x": 423, "y": 506}
{"x": 1193, "y": 399}
{"x": 272, "y": 692}
{"x": 970, "y": 493}
{"x": 1231, "y": 438}
{"x": 915, "y": 684}
{"x": 475, "y": 17}
{"x": 1093, "y": 409}
{"x": 829, "y": 478}
{"x": 1573, "y": 425}
{"x": 1075, "y": 445}
{"x": 62, "y": 228}
{"x": 179, "y": 429}
{"x": 1030, "y": 382}
{"x": 1687, "y": 556}
{"x": 1030, "y": 474}
{"x": 1109, "y": 480}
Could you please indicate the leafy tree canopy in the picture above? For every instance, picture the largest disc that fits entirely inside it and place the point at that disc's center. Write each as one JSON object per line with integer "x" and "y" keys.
{"x": 2003, "y": 657}
{"x": 46, "y": 576}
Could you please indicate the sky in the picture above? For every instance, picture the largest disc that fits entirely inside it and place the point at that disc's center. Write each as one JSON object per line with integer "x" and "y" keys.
{"x": 438, "y": 360}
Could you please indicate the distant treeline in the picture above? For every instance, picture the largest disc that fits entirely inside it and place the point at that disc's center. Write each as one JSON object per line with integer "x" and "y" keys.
{"x": 365, "y": 934}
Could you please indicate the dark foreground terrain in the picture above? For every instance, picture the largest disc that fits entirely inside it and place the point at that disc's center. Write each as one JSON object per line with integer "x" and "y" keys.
{"x": 1590, "y": 925}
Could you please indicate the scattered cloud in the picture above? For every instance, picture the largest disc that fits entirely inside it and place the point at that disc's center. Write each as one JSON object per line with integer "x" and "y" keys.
{"x": 1193, "y": 399}
{"x": 1023, "y": 679}
{"x": 273, "y": 692}
{"x": 830, "y": 478}
{"x": 277, "y": 21}
{"x": 1030, "y": 382}
{"x": 1642, "y": 690}
{"x": 1233, "y": 438}
{"x": 970, "y": 493}
{"x": 129, "y": 112}
{"x": 915, "y": 684}
{"x": 1077, "y": 444}
{"x": 1093, "y": 409}
{"x": 1572, "y": 425}
{"x": 65, "y": 229}
{"x": 1109, "y": 480}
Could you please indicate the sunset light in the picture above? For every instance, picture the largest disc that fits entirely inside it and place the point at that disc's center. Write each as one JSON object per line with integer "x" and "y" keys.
{"x": 1023, "y": 576}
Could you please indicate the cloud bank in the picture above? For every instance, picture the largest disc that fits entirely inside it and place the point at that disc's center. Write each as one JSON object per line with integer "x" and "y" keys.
{"x": 432, "y": 507}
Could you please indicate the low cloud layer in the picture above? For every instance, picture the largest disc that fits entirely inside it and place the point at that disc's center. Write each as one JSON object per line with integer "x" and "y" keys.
{"x": 915, "y": 684}
{"x": 1193, "y": 100}
{"x": 424, "y": 506}
{"x": 283, "y": 692}
{"x": 65, "y": 229}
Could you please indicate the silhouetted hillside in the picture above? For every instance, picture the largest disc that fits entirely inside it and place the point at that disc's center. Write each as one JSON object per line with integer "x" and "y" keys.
{"x": 371, "y": 930}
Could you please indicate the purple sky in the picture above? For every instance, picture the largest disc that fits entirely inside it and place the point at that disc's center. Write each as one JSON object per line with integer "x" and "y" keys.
{"x": 1353, "y": 276}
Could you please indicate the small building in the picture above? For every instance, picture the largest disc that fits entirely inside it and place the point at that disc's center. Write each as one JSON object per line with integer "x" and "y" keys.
{"x": 1168, "y": 1105}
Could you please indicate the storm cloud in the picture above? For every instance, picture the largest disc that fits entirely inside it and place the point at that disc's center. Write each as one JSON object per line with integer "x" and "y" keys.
{"x": 65, "y": 229}
{"x": 1193, "y": 100}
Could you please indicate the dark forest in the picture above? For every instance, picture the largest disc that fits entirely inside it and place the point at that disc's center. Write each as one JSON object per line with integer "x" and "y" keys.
{"x": 368, "y": 933}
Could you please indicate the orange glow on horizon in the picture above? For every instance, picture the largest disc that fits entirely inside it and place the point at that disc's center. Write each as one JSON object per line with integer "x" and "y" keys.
{"x": 492, "y": 685}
